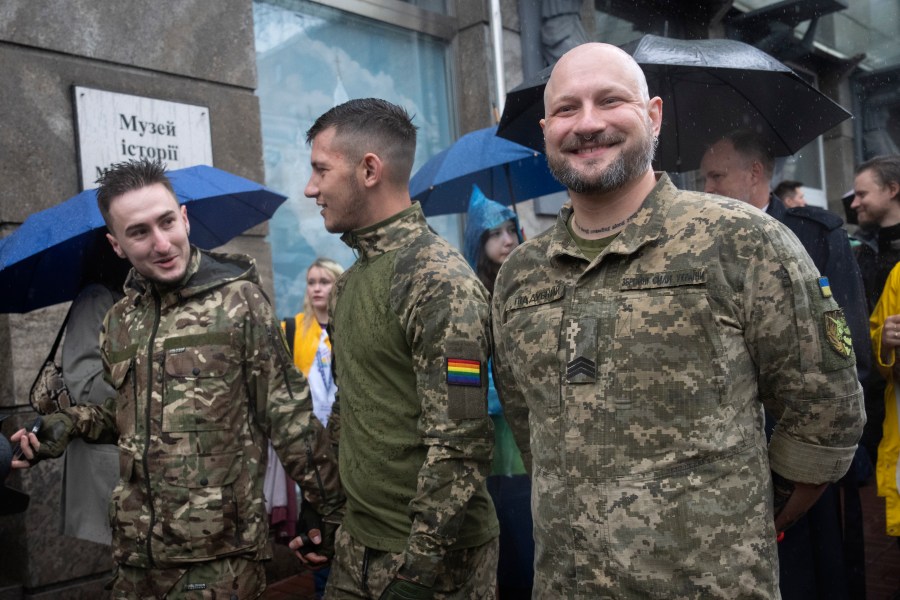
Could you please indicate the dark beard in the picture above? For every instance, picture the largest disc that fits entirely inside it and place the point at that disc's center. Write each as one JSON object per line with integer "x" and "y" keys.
{"x": 628, "y": 166}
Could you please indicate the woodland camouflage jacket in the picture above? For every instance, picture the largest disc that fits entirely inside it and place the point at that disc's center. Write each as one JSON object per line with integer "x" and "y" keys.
{"x": 203, "y": 376}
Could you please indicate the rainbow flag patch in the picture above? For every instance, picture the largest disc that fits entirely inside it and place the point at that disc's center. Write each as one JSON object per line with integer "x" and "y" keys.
{"x": 825, "y": 286}
{"x": 461, "y": 371}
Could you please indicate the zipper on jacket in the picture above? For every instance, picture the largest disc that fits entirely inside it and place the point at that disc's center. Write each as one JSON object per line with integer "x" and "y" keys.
{"x": 156, "y": 318}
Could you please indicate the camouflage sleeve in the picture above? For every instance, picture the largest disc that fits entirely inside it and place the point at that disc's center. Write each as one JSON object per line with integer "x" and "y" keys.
{"x": 92, "y": 423}
{"x": 448, "y": 334}
{"x": 280, "y": 395}
{"x": 887, "y": 306}
{"x": 799, "y": 339}
{"x": 511, "y": 397}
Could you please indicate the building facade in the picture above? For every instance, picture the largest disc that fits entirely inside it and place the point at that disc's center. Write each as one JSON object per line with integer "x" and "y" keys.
{"x": 266, "y": 69}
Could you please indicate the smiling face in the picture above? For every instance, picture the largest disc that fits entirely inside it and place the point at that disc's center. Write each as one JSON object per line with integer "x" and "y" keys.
{"x": 150, "y": 229}
{"x": 875, "y": 204}
{"x": 334, "y": 185}
{"x": 319, "y": 282}
{"x": 599, "y": 126}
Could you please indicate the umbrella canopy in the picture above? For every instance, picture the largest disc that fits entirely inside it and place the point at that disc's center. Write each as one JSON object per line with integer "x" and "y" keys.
{"x": 504, "y": 170}
{"x": 42, "y": 262}
{"x": 708, "y": 88}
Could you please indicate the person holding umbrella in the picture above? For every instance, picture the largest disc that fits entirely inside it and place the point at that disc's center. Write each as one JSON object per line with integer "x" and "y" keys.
{"x": 202, "y": 374}
{"x": 823, "y": 554}
{"x": 640, "y": 339}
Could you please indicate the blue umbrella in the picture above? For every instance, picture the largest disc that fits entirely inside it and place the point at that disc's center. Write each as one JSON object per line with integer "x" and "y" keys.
{"x": 505, "y": 171}
{"x": 42, "y": 262}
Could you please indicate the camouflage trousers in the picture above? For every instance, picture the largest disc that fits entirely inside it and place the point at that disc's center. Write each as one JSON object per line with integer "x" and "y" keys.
{"x": 360, "y": 572}
{"x": 233, "y": 578}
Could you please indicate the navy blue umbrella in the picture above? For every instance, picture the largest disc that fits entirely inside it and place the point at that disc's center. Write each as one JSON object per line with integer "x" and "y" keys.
{"x": 505, "y": 171}
{"x": 42, "y": 262}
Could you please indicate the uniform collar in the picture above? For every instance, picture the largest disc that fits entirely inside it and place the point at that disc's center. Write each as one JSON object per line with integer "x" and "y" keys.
{"x": 645, "y": 227}
{"x": 391, "y": 234}
{"x": 205, "y": 270}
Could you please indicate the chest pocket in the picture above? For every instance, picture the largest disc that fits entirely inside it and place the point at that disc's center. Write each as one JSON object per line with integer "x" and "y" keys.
{"x": 197, "y": 389}
{"x": 122, "y": 378}
{"x": 667, "y": 358}
{"x": 535, "y": 354}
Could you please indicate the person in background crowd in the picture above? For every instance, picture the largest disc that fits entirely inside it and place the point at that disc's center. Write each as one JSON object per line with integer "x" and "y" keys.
{"x": 823, "y": 554}
{"x": 492, "y": 232}
{"x": 308, "y": 340}
{"x": 411, "y": 340}
{"x": 635, "y": 344}
{"x": 876, "y": 200}
{"x": 791, "y": 193}
{"x": 202, "y": 374}
{"x": 885, "y": 332}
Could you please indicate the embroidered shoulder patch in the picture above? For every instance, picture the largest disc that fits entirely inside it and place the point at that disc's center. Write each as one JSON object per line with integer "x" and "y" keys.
{"x": 825, "y": 287}
{"x": 838, "y": 332}
{"x": 461, "y": 371}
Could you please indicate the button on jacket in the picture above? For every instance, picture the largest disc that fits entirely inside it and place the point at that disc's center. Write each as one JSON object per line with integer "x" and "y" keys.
{"x": 635, "y": 386}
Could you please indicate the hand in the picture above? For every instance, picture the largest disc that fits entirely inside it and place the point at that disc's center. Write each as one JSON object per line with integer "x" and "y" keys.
{"x": 26, "y": 450}
{"x": 793, "y": 499}
{"x": 406, "y": 589}
{"x": 311, "y": 540}
{"x": 890, "y": 336}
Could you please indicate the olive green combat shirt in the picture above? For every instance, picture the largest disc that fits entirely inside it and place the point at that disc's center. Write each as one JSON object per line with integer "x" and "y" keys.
{"x": 203, "y": 376}
{"x": 410, "y": 341}
{"x": 635, "y": 385}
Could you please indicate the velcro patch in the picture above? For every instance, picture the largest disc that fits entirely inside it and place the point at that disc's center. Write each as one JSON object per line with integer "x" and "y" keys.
{"x": 466, "y": 380}
{"x": 825, "y": 287}
{"x": 193, "y": 587}
{"x": 647, "y": 281}
{"x": 461, "y": 371}
{"x": 838, "y": 332}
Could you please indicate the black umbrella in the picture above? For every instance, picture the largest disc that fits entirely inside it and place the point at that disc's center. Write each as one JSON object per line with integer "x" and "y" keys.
{"x": 708, "y": 88}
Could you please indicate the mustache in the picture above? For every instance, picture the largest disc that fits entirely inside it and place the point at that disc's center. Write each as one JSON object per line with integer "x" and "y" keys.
{"x": 578, "y": 142}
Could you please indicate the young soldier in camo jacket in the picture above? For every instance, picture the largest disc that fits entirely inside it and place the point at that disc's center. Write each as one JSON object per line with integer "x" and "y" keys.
{"x": 202, "y": 376}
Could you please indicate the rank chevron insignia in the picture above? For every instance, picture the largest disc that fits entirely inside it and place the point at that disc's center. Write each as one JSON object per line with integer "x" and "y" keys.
{"x": 581, "y": 370}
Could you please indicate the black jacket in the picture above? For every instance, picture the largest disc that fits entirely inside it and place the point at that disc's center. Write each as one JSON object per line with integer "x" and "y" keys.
{"x": 875, "y": 265}
{"x": 827, "y": 244}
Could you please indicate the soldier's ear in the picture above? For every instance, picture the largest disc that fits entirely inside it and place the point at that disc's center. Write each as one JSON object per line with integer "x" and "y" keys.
{"x": 372, "y": 169}
{"x": 115, "y": 245}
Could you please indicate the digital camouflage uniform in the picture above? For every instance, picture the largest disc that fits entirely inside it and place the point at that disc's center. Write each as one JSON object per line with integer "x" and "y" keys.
{"x": 642, "y": 377}
{"x": 415, "y": 438}
{"x": 203, "y": 377}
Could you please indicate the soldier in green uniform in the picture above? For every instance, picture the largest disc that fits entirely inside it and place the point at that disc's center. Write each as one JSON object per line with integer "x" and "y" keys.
{"x": 202, "y": 377}
{"x": 410, "y": 340}
{"x": 636, "y": 343}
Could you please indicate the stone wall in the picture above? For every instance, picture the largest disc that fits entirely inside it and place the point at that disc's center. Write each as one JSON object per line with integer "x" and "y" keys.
{"x": 187, "y": 51}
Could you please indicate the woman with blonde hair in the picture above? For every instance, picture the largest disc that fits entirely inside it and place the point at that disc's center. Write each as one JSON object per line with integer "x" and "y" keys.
{"x": 308, "y": 339}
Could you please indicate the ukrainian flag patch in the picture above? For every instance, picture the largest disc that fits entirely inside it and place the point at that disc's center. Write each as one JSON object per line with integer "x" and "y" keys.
{"x": 825, "y": 287}
{"x": 461, "y": 371}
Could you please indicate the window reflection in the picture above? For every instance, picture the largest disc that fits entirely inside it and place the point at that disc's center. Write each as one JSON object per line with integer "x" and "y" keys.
{"x": 310, "y": 58}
